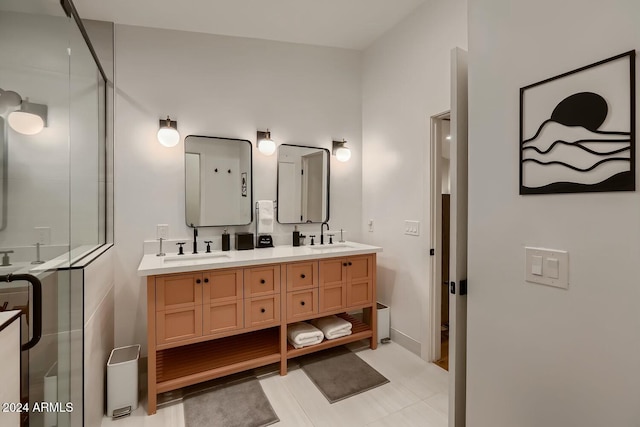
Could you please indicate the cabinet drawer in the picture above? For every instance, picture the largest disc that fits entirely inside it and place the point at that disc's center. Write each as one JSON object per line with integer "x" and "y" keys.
{"x": 178, "y": 324}
{"x": 222, "y": 317}
{"x": 332, "y": 298}
{"x": 301, "y": 304}
{"x": 262, "y": 311}
{"x": 333, "y": 272}
{"x": 220, "y": 286}
{"x": 359, "y": 293}
{"x": 261, "y": 280}
{"x": 178, "y": 291}
{"x": 302, "y": 275}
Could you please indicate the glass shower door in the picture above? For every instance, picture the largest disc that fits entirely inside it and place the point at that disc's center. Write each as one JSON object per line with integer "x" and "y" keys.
{"x": 52, "y": 195}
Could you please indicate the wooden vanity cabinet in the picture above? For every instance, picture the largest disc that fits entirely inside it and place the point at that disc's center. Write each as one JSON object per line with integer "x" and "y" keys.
{"x": 208, "y": 324}
{"x": 178, "y": 308}
{"x": 222, "y": 301}
{"x": 346, "y": 282}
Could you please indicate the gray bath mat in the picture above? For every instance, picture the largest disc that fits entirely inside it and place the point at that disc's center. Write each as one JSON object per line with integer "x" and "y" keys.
{"x": 338, "y": 373}
{"x": 241, "y": 404}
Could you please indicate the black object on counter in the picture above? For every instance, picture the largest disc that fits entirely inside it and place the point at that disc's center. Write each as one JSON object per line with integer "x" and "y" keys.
{"x": 296, "y": 236}
{"x": 265, "y": 241}
{"x": 226, "y": 245}
{"x": 244, "y": 241}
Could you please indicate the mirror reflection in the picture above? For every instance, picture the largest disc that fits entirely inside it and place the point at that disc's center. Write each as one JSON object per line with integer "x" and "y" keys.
{"x": 218, "y": 181}
{"x": 303, "y": 184}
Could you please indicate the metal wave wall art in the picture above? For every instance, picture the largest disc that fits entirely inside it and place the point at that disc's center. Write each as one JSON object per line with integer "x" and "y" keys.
{"x": 577, "y": 130}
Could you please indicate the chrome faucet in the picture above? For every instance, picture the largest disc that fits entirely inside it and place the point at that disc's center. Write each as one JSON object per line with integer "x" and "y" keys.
{"x": 322, "y": 231}
{"x": 38, "y": 260}
{"x": 5, "y": 258}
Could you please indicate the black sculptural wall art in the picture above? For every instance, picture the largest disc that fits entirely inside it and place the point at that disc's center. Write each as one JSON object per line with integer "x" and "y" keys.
{"x": 577, "y": 130}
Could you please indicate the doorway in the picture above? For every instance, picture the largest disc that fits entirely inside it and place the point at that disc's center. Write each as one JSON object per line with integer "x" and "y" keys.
{"x": 440, "y": 203}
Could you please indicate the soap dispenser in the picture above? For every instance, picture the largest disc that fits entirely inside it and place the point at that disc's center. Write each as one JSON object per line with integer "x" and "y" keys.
{"x": 296, "y": 236}
{"x": 225, "y": 240}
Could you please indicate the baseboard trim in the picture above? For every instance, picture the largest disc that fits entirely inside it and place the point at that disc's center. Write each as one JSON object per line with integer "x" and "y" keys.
{"x": 406, "y": 341}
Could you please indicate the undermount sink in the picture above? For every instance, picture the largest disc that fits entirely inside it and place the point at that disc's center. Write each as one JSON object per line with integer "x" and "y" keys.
{"x": 330, "y": 246}
{"x": 195, "y": 257}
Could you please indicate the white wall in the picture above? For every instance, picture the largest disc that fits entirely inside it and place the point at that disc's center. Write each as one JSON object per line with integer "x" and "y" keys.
{"x": 98, "y": 325}
{"x": 228, "y": 87}
{"x": 541, "y": 356}
{"x": 405, "y": 82}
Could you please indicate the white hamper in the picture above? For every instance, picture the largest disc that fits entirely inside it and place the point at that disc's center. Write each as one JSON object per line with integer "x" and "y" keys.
{"x": 383, "y": 323}
{"x": 122, "y": 381}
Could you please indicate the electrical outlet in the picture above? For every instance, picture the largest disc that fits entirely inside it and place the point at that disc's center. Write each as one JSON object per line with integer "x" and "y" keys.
{"x": 43, "y": 235}
{"x": 370, "y": 223}
{"x": 162, "y": 230}
{"x": 412, "y": 228}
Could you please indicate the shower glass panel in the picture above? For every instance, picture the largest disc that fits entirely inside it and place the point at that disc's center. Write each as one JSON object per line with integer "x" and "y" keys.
{"x": 53, "y": 193}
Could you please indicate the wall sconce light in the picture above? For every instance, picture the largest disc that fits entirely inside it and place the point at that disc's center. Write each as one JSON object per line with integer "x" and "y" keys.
{"x": 168, "y": 134}
{"x": 341, "y": 152}
{"x": 30, "y": 119}
{"x": 25, "y": 117}
{"x": 265, "y": 144}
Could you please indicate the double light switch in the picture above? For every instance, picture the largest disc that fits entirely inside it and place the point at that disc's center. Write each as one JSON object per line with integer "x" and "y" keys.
{"x": 547, "y": 267}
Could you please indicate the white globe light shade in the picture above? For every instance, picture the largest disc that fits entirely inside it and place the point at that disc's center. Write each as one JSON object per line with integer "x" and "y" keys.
{"x": 169, "y": 137}
{"x": 26, "y": 123}
{"x": 343, "y": 154}
{"x": 267, "y": 147}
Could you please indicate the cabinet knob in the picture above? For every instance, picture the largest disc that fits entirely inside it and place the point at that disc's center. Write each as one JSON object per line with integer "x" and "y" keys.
{"x": 198, "y": 280}
{"x": 262, "y": 310}
{"x": 301, "y": 302}
{"x": 206, "y": 280}
{"x": 349, "y": 262}
{"x": 262, "y": 281}
{"x": 302, "y": 276}
{"x": 345, "y": 264}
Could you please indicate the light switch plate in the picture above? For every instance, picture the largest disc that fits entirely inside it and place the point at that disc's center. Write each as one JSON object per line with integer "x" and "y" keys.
{"x": 536, "y": 265}
{"x": 549, "y": 274}
{"x": 43, "y": 235}
{"x": 162, "y": 230}
{"x": 412, "y": 228}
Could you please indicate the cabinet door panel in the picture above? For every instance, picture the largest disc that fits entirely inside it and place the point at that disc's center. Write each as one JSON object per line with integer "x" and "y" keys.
{"x": 178, "y": 324}
{"x": 301, "y": 304}
{"x": 224, "y": 285}
{"x": 178, "y": 291}
{"x": 223, "y": 317}
{"x": 302, "y": 275}
{"x": 360, "y": 268}
{"x": 332, "y": 298}
{"x": 332, "y": 272}
{"x": 262, "y": 280}
{"x": 262, "y": 311}
{"x": 359, "y": 293}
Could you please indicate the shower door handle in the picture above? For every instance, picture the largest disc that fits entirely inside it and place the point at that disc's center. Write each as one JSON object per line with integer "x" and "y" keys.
{"x": 37, "y": 305}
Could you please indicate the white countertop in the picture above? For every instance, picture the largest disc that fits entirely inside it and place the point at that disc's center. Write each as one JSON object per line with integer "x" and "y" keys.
{"x": 171, "y": 263}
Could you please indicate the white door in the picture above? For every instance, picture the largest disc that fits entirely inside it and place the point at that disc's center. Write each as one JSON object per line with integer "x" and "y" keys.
{"x": 458, "y": 252}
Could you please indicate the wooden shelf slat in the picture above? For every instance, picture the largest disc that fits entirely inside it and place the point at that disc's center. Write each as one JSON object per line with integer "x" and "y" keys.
{"x": 199, "y": 362}
{"x": 359, "y": 331}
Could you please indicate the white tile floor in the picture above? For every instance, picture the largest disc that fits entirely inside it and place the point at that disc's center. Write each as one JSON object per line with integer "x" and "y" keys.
{"x": 415, "y": 396}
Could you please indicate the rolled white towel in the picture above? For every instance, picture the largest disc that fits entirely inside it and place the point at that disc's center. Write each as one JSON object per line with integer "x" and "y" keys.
{"x": 333, "y": 326}
{"x": 302, "y": 334}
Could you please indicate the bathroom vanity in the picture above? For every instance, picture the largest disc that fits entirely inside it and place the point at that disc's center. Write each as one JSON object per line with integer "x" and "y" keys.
{"x": 211, "y": 315}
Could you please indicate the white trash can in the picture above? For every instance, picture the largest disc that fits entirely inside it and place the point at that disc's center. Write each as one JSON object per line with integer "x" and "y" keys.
{"x": 122, "y": 381}
{"x": 383, "y": 323}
